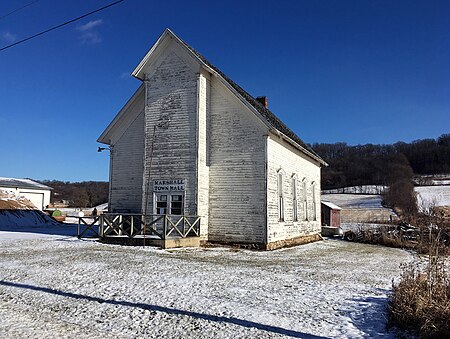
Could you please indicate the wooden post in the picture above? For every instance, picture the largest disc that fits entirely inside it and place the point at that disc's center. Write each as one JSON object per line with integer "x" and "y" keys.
{"x": 132, "y": 226}
{"x": 78, "y": 232}
{"x": 164, "y": 226}
{"x": 147, "y": 192}
{"x": 100, "y": 226}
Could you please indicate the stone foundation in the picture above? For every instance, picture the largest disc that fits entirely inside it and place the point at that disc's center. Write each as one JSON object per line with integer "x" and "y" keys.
{"x": 266, "y": 247}
{"x": 293, "y": 242}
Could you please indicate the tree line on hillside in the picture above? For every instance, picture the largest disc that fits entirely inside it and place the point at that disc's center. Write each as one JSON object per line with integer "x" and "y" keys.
{"x": 378, "y": 164}
{"x": 79, "y": 194}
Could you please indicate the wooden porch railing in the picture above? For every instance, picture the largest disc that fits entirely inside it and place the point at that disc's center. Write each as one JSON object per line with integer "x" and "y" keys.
{"x": 86, "y": 224}
{"x": 162, "y": 226}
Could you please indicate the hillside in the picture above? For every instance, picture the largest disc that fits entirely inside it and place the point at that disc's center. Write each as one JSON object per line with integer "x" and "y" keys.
{"x": 430, "y": 196}
{"x": 375, "y": 164}
{"x": 364, "y": 203}
{"x": 78, "y": 194}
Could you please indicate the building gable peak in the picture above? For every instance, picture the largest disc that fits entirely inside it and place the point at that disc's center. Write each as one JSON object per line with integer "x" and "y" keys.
{"x": 259, "y": 105}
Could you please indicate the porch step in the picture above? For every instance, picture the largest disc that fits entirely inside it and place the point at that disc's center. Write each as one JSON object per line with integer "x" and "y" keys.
{"x": 171, "y": 242}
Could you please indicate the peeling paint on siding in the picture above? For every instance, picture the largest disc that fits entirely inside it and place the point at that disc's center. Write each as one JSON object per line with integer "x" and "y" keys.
{"x": 282, "y": 156}
{"x": 171, "y": 92}
{"x": 237, "y": 174}
{"x": 127, "y": 160}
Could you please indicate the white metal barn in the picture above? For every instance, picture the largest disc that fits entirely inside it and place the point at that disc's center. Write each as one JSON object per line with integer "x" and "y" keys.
{"x": 215, "y": 151}
{"x": 37, "y": 193}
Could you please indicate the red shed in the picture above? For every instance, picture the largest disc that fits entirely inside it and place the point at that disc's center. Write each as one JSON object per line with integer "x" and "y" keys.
{"x": 331, "y": 214}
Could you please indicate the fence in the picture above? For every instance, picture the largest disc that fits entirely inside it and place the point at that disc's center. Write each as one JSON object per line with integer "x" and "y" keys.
{"x": 161, "y": 226}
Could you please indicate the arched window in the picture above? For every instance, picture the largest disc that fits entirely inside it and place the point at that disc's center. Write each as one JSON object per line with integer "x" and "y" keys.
{"x": 280, "y": 177}
{"x": 305, "y": 200}
{"x": 294, "y": 198}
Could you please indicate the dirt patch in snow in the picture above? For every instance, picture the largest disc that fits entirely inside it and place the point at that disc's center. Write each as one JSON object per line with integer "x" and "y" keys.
{"x": 10, "y": 205}
{"x": 9, "y": 201}
{"x": 17, "y": 211}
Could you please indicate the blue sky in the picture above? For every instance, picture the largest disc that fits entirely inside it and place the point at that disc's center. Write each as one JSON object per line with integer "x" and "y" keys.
{"x": 353, "y": 71}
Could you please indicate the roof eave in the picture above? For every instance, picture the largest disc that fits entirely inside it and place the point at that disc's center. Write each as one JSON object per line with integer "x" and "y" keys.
{"x": 138, "y": 71}
{"x": 238, "y": 95}
{"x": 247, "y": 104}
{"x": 300, "y": 148}
{"x": 103, "y": 138}
{"x": 255, "y": 111}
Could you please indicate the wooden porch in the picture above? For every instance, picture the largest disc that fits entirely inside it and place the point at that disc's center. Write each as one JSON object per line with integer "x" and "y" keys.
{"x": 162, "y": 230}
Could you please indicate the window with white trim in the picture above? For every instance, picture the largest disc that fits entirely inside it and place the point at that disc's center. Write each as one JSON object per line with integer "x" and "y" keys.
{"x": 305, "y": 200}
{"x": 294, "y": 198}
{"x": 280, "y": 195}
{"x": 313, "y": 187}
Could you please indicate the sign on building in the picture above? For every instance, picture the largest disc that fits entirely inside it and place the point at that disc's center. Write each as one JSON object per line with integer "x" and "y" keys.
{"x": 168, "y": 185}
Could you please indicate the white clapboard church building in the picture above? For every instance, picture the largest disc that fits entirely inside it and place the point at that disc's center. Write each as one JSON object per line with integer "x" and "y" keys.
{"x": 213, "y": 151}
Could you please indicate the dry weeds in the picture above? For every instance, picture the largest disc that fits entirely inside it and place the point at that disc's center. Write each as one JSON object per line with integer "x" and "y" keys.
{"x": 420, "y": 302}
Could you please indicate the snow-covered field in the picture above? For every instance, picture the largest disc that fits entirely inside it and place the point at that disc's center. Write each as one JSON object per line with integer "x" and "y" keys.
{"x": 354, "y": 200}
{"x": 428, "y": 196}
{"x": 435, "y": 179}
{"x": 363, "y": 189}
{"x": 59, "y": 287}
{"x": 352, "y": 197}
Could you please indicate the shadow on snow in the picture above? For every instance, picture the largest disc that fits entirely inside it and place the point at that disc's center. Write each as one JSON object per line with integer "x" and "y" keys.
{"x": 168, "y": 310}
{"x": 33, "y": 221}
{"x": 370, "y": 315}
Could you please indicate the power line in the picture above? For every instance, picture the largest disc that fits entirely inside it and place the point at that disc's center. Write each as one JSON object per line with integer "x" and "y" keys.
{"x": 18, "y": 9}
{"x": 61, "y": 25}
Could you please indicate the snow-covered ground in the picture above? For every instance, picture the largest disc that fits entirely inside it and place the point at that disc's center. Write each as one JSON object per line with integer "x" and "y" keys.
{"x": 75, "y": 211}
{"x": 435, "y": 179}
{"x": 429, "y": 196}
{"x": 58, "y": 286}
{"x": 363, "y": 189}
{"x": 354, "y": 200}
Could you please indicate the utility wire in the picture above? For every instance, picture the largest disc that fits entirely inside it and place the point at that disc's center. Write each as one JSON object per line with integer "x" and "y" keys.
{"x": 61, "y": 25}
{"x": 18, "y": 9}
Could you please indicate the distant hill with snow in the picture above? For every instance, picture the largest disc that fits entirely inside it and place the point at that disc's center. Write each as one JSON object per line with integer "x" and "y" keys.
{"x": 429, "y": 196}
{"x": 370, "y": 196}
{"x": 432, "y": 180}
{"x": 363, "y": 189}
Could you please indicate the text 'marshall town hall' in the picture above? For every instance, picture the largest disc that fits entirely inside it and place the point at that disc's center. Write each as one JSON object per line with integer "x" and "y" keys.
{"x": 218, "y": 153}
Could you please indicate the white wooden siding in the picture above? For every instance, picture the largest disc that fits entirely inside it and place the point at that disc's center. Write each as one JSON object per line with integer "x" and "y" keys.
{"x": 282, "y": 156}
{"x": 203, "y": 118}
{"x": 171, "y": 103}
{"x": 211, "y": 138}
{"x": 127, "y": 160}
{"x": 237, "y": 170}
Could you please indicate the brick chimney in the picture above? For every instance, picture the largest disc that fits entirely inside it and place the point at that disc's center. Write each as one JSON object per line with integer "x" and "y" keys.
{"x": 263, "y": 101}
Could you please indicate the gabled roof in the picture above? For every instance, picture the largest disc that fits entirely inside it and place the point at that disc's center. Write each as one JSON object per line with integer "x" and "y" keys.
{"x": 269, "y": 118}
{"x": 331, "y": 205}
{"x": 22, "y": 183}
{"x": 132, "y": 105}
